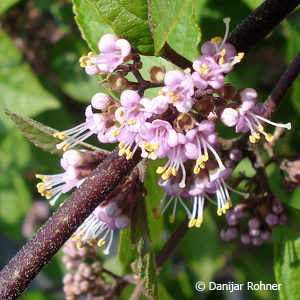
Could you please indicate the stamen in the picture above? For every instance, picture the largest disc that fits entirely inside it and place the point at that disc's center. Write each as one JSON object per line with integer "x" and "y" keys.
{"x": 226, "y": 21}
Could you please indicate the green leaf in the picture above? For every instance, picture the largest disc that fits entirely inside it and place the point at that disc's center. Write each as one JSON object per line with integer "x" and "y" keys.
{"x": 186, "y": 35}
{"x": 293, "y": 41}
{"x": 128, "y": 19}
{"x": 287, "y": 261}
{"x": 253, "y": 4}
{"x": 20, "y": 89}
{"x": 165, "y": 14}
{"x": 41, "y": 135}
{"x": 6, "y": 5}
{"x": 144, "y": 266}
{"x": 89, "y": 22}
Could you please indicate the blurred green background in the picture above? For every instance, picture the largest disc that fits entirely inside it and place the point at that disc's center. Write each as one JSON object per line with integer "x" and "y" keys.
{"x": 40, "y": 78}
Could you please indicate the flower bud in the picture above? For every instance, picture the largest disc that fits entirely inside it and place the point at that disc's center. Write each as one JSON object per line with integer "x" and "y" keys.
{"x": 245, "y": 239}
{"x": 229, "y": 117}
{"x": 272, "y": 219}
{"x": 266, "y": 235}
{"x": 254, "y": 223}
{"x": 235, "y": 155}
{"x": 254, "y": 232}
{"x": 282, "y": 219}
{"x": 157, "y": 74}
{"x": 257, "y": 241}
{"x": 101, "y": 101}
{"x": 122, "y": 222}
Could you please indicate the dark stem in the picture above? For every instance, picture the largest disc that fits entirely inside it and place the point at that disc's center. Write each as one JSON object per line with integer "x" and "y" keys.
{"x": 171, "y": 244}
{"x": 282, "y": 87}
{"x": 28, "y": 262}
{"x": 260, "y": 23}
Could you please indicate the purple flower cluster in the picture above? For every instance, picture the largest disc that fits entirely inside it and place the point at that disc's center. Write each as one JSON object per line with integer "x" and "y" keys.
{"x": 178, "y": 125}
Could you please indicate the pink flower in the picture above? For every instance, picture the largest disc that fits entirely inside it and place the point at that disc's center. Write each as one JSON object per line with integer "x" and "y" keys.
{"x": 179, "y": 90}
{"x": 200, "y": 141}
{"x": 114, "y": 51}
{"x": 159, "y": 136}
{"x": 248, "y": 117}
{"x": 208, "y": 73}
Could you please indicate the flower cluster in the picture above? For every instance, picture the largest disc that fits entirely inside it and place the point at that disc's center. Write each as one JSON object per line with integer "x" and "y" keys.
{"x": 178, "y": 125}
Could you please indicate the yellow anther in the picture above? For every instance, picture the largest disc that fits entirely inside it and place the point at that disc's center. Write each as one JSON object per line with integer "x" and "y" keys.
{"x": 202, "y": 166}
{"x": 223, "y": 52}
{"x": 162, "y": 93}
{"x": 165, "y": 176}
{"x": 216, "y": 39}
{"x": 205, "y": 157}
{"x": 196, "y": 170}
{"x": 192, "y": 223}
{"x": 221, "y": 61}
{"x": 39, "y": 176}
{"x": 123, "y": 122}
{"x": 199, "y": 161}
{"x": 91, "y": 241}
{"x": 121, "y": 113}
{"x": 89, "y": 63}
{"x": 224, "y": 210}
{"x": 90, "y": 54}
{"x": 83, "y": 64}
{"x": 132, "y": 122}
{"x": 175, "y": 99}
{"x": 129, "y": 156}
{"x": 169, "y": 170}
{"x": 152, "y": 156}
{"x": 171, "y": 93}
{"x": 160, "y": 170}
{"x": 116, "y": 132}
{"x": 75, "y": 238}
{"x": 252, "y": 139}
{"x": 199, "y": 221}
{"x": 174, "y": 172}
{"x": 48, "y": 195}
{"x": 219, "y": 212}
{"x": 127, "y": 150}
{"x": 171, "y": 219}
{"x": 80, "y": 244}
{"x": 229, "y": 204}
{"x": 101, "y": 243}
{"x": 40, "y": 184}
{"x": 257, "y": 135}
{"x": 82, "y": 59}
{"x": 145, "y": 144}
{"x": 260, "y": 128}
{"x": 269, "y": 138}
{"x": 122, "y": 152}
{"x": 121, "y": 145}
{"x": 155, "y": 146}
{"x": 66, "y": 147}
{"x": 240, "y": 55}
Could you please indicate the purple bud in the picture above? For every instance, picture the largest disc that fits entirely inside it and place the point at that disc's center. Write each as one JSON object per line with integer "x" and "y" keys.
{"x": 231, "y": 218}
{"x": 266, "y": 235}
{"x": 254, "y": 232}
{"x": 229, "y": 117}
{"x": 283, "y": 219}
{"x": 277, "y": 207}
{"x": 232, "y": 233}
{"x": 240, "y": 210}
{"x": 87, "y": 272}
{"x": 254, "y": 223}
{"x": 84, "y": 286}
{"x": 112, "y": 210}
{"x": 272, "y": 219}
{"x": 257, "y": 241}
{"x": 122, "y": 222}
{"x": 223, "y": 235}
{"x": 78, "y": 277}
{"x": 245, "y": 239}
{"x": 235, "y": 155}
{"x": 68, "y": 278}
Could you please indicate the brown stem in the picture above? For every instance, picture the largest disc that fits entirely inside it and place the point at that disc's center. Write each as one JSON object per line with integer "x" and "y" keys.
{"x": 282, "y": 86}
{"x": 260, "y": 23}
{"x": 48, "y": 240}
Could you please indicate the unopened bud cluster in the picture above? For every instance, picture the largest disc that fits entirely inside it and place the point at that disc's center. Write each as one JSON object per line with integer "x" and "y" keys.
{"x": 82, "y": 279}
{"x": 253, "y": 220}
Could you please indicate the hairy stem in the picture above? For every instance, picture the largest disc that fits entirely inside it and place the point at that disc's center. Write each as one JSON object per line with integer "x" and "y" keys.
{"x": 260, "y": 23}
{"x": 282, "y": 87}
{"x": 56, "y": 231}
